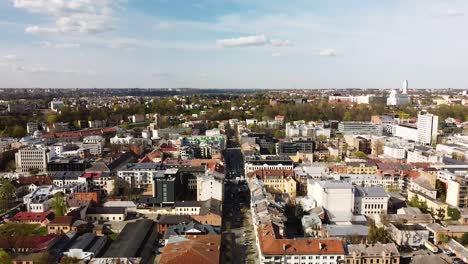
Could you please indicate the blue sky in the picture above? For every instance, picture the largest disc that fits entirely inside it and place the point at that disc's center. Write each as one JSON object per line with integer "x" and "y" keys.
{"x": 233, "y": 43}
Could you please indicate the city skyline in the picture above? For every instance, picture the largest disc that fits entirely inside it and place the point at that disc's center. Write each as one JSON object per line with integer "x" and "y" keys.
{"x": 232, "y": 44}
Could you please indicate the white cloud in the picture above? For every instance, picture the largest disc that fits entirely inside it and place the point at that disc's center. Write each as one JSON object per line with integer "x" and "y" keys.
{"x": 455, "y": 13}
{"x": 164, "y": 26}
{"x": 280, "y": 42}
{"x": 46, "y": 70}
{"x": 11, "y": 58}
{"x": 258, "y": 40}
{"x": 328, "y": 53}
{"x": 276, "y": 54}
{"x": 48, "y": 44}
{"x": 71, "y": 16}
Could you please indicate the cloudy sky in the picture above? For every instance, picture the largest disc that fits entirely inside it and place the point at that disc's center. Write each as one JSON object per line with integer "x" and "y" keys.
{"x": 234, "y": 43}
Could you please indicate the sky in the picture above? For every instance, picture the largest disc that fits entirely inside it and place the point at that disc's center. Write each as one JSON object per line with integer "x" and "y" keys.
{"x": 233, "y": 43}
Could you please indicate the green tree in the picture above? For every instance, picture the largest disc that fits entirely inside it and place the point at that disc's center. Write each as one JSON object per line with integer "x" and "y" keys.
{"x": 10, "y": 166}
{"x": 464, "y": 239}
{"x": 70, "y": 260}
{"x": 7, "y": 194}
{"x": 442, "y": 238}
{"x": 360, "y": 155}
{"x": 378, "y": 234}
{"x": 59, "y": 204}
{"x": 347, "y": 116}
{"x": 52, "y": 119}
{"x": 34, "y": 171}
{"x": 43, "y": 258}
{"x": 5, "y": 258}
{"x": 453, "y": 213}
{"x": 441, "y": 191}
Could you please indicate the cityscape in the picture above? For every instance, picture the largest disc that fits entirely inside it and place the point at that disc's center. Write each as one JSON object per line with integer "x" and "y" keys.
{"x": 233, "y": 131}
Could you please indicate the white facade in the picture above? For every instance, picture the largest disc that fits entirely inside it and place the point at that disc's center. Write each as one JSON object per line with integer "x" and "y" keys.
{"x": 370, "y": 201}
{"x": 209, "y": 188}
{"x": 299, "y": 130}
{"x": 406, "y": 132}
{"x": 31, "y": 158}
{"x": 423, "y": 156}
{"x": 335, "y": 196}
{"x": 249, "y": 167}
{"x": 397, "y": 99}
{"x": 428, "y": 125}
{"x": 394, "y": 151}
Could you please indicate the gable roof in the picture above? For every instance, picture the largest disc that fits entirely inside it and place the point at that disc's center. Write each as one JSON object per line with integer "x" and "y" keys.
{"x": 28, "y": 216}
{"x": 193, "y": 249}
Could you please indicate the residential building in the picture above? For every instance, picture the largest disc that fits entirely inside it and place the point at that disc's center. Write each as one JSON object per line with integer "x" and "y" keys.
{"x": 106, "y": 213}
{"x": 375, "y": 253}
{"x": 360, "y": 128}
{"x": 413, "y": 235}
{"x": 30, "y": 158}
{"x": 428, "y": 125}
{"x": 42, "y": 218}
{"x": 209, "y": 187}
{"x": 187, "y": 207}
{"x": 457, "y": 192}
{"x": 270, "y": 163}
{"x": 192, "y": 249}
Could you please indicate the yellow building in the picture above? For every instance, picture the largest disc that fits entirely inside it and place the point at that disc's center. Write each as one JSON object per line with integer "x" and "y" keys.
{"x": 361, "y": 168}
{"x": 433, "y": 204}
{"x": 372, "y": 254}
{"x": 279, "y": 184}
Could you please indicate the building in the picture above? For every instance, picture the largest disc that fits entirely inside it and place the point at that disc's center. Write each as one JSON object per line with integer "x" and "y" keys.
{"x": 273, "y": 249}
{"x": 413, "y": 235}
{"x": 42, "y": 218}
{"x": 360, "y": 128}
{"x": 168, "y": 187}
{"x": 209, "y": 187}
{"x": 398, "y": 99}
{"x": 106, "y": 213}
{"x": 187, "y": 207}
{"x": 30, "y": 158}
{"x": 270, "y": 163}
{"x": 406, "y": 131}
{"x": 337, "y": 197}
{"x": 361, "y": 168}
{"x": 428, "y": 125}
{"x": 32, "y": 127}
{"x": 457, "y": 192}
{"x": 87, "y": 246}
{"x": 370, "y": 200}
{"x": 376, "y": 253}
{"x": 136, "y": 240}
{"x": 192, "y": 249}
{"x": 138, "y": 175}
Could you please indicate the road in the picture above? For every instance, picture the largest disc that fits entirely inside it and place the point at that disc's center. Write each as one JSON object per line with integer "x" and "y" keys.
{"x": 238, "y": 237}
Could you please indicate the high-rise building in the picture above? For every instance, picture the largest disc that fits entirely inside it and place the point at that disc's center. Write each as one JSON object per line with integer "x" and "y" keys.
{"x": 428, "y": 124}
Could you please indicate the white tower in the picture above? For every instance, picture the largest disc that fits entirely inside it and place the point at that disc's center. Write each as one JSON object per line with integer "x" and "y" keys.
{"x": 405, "y": 87}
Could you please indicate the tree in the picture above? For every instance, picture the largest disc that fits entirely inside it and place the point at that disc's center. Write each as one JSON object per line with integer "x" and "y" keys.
{"x": 464, "y": 239}
{"x": 441, "y": 191}
{"x": 347, "y": 116}
{"x": 360, "y": 155}
{"x": 59, "y": 204}
{"x": 5, "y": 258}
{"x": 453, "y": 213}
{"x": 442, "y": 238}
{"x": 7, "y": 193}
{"x": 33, "y": 171}
{"x": 378, "y": 234}
{"x": 440, "y": 213}
{"x": 70, "y": 260}
{"x": 10, "y": 166}
{"x": 43, "y": 258}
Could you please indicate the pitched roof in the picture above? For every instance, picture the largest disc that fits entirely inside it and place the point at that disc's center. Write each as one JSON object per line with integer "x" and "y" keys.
{"x": 193, "y": 249}
{"x": 37, "y": 180}
{"x": 61, "y": 221}
{"x": 28, "y": 216}
{"x": 270, "y": 244}
{"x": 27, "y": 242}
{"x": 105, "y": 210}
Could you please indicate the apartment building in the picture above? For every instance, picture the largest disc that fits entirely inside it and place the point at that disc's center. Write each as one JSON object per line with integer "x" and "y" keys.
{"x": 31, "y": 158}
{"x": 376, "y": 253}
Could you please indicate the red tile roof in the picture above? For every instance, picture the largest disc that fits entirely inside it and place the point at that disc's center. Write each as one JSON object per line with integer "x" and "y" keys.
{"x": 34, "y": 243}
{"x": 37, "y": 180}
{"x": 271, "y": 245}
{"x": 28, "y": 216}
{"x": 202, "y": 249}
{"x": 61, "y": 221}
{"x": 91, "y": 175}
